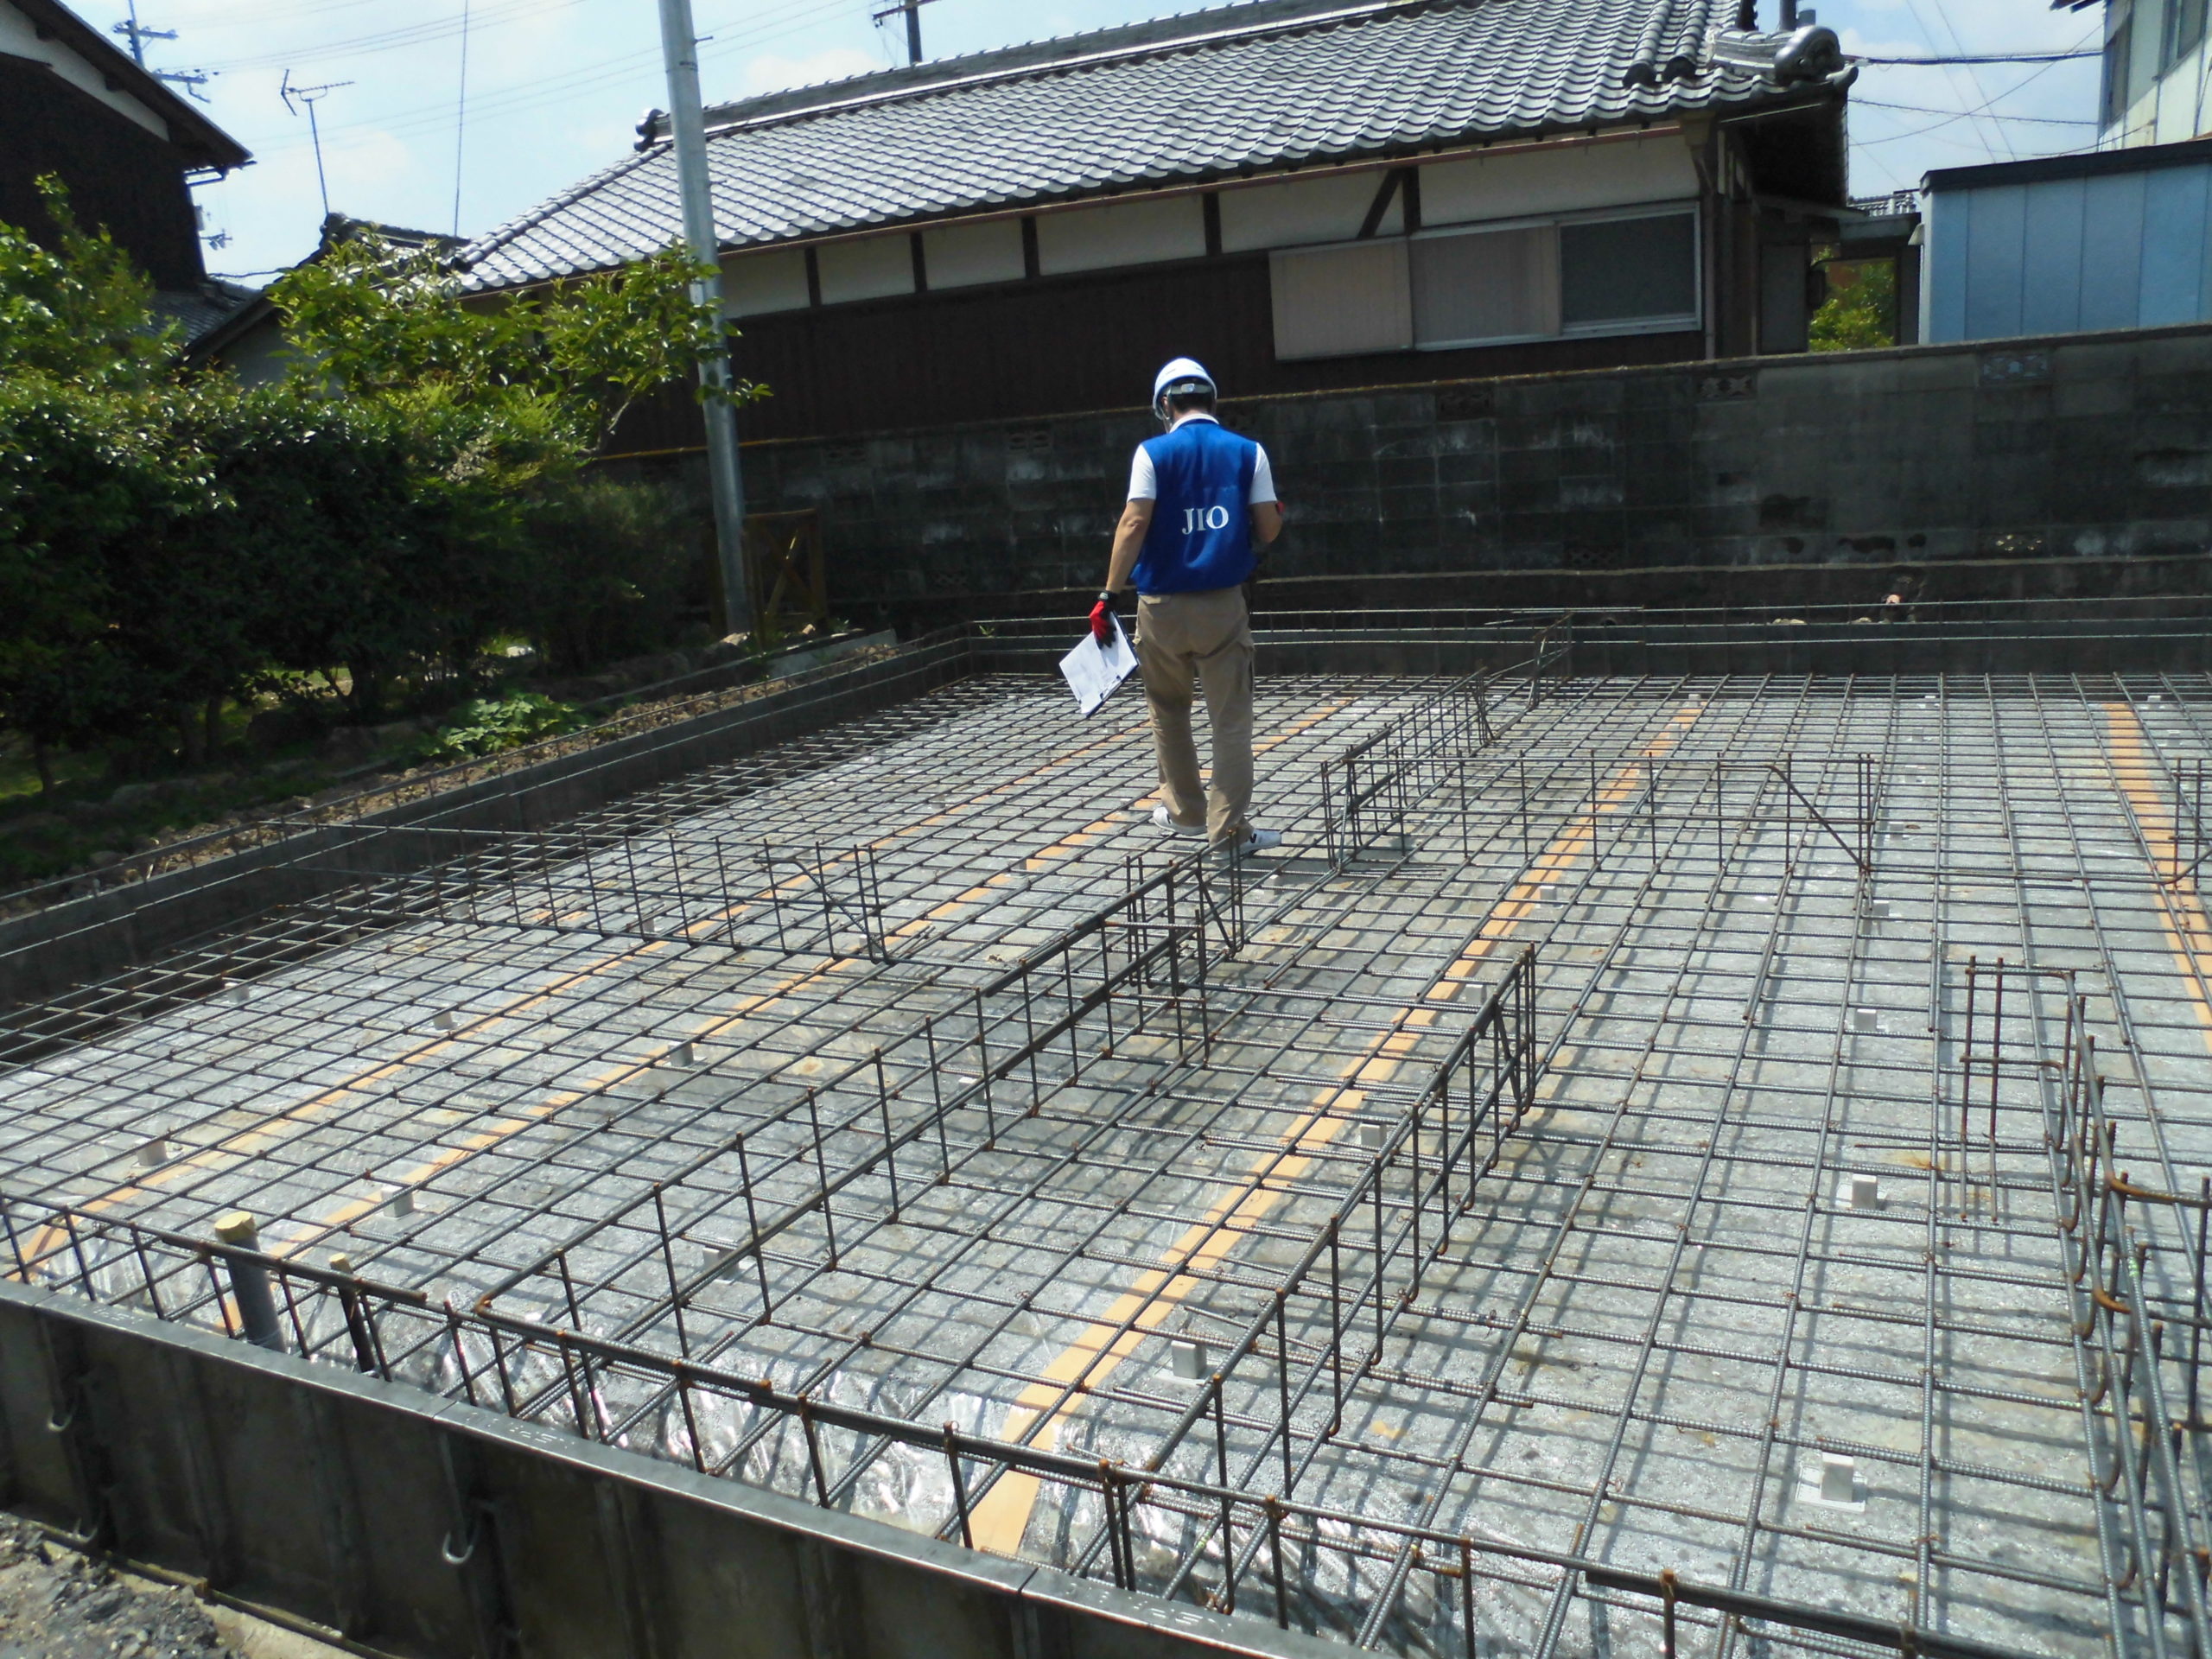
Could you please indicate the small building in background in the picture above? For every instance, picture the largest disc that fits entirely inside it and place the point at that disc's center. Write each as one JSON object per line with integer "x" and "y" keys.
{"x": 2155, "y": 64}
{"x": 2118, "y": 239}
{"x": 250, "y": 342}
{"x": 129, "y": 149}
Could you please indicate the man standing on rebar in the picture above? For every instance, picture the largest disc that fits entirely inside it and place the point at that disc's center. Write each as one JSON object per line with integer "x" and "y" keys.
{"x": 1201, "y": 502}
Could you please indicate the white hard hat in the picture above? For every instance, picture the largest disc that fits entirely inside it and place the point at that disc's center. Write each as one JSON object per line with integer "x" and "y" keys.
{"x": 1183, "y": 374}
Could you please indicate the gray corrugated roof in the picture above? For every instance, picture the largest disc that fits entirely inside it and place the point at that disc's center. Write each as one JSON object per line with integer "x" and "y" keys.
{"x": 1234, "y": 90}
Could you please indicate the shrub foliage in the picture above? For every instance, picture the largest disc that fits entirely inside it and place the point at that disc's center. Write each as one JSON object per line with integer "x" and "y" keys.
{"x": 411, "y": 489}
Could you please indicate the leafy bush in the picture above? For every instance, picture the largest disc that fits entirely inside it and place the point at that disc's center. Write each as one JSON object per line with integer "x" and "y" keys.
{"x": 90, "y": 487}
{"x": 170, "y": 542}
{"x": 606, "y": 571}
{"x": 486, "y": 726}
{"x": 1860, "y": 312}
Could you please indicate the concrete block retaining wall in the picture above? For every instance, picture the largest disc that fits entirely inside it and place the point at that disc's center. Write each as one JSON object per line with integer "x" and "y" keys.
{"x": 2091, "y": 447}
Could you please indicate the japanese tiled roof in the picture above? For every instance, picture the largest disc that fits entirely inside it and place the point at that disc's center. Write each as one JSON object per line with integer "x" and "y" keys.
{"x": 1230, "y": 91}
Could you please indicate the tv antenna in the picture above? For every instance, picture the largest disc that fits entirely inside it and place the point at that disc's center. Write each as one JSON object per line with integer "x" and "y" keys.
{"x": 311, "y": 96}
{"x": 913, "y": 11}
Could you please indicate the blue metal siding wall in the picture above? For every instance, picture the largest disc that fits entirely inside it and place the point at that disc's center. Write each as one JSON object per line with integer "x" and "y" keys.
{"x": 2059, "y": 256}
{"x": 2111, "y": 240}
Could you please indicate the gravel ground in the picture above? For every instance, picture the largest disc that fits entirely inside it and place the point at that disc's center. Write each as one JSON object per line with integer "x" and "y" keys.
{"x": 57, "y": 1604}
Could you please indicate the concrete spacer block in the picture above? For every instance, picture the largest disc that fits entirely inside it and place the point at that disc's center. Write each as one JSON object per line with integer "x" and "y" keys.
{"x": 1188, "y": 1357}
{"x": 154, "y": 1153}
{"x": 1865, "y": 1020}
{"x": 1838, "y": 1479}
{"x": 1861, "y": 1191}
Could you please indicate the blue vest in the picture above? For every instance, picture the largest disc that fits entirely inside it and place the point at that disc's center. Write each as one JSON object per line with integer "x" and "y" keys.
{"x": 1201, "y": 534}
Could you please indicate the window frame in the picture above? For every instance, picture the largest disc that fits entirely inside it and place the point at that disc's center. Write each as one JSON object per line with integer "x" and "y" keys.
{"x": 1481, "y": 227}
{"x": 2183, "y": 33}
{"x": 2115, "y": 94}
{"x": 1674, "y": 322}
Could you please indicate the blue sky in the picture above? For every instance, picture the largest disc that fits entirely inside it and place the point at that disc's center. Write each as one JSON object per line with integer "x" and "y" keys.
{"x": 555, "y": 87}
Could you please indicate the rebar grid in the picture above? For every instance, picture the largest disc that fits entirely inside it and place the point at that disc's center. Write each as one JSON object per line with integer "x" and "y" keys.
{"x": 1755, "y": 957}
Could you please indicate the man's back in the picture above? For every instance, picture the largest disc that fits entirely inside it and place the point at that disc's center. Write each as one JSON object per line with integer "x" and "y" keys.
{"x": 1201, "y": 534}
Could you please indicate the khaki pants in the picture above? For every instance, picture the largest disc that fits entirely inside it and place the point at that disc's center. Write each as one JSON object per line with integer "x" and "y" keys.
{"x": 1206, "y": 636}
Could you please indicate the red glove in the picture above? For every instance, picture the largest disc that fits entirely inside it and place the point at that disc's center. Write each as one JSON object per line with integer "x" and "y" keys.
{"x": 1102, "y": 619}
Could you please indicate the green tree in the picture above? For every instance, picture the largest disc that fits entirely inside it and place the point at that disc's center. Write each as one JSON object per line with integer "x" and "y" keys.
{"x": 81, "y": 313}
{"x": 373, "y": 319}
{"x": 167, "y": 539}
{"x": 1860, "y": 312}
{"x": 86, "y": 478}
{"x": 605, "y": 569}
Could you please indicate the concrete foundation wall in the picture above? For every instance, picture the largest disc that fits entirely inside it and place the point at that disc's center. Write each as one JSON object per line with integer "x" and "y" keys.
{"x": 2083, "y": 447}
{"x": 404, "y": 1524}
{"x": 88, "y": 938}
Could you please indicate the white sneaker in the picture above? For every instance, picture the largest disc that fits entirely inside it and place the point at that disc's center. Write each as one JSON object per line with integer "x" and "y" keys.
{"x": 1255, "y": 841}
{"x": 1160, "y": 820}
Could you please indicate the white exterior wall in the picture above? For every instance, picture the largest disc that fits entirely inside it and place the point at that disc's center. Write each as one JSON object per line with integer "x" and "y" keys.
{"x": 754, "y": 283}
{"x": 1301, "y": 211}
{"x": 2166, "y": 102}
{"x": 1326, "y": 208}
{"x": 870, "y": 268}
{"x": 1567, "y": 179}
{"x": 18, "y": 38}
{"x": 960, "y": 256}
{"x": 1121, "y": 233}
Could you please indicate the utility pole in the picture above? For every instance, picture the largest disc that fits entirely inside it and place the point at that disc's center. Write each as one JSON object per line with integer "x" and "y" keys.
{"x": 311, "y": 96}
{"x": 687, "y": 128}
{"x": 913, "y": 11}
{"x": 139, "y": 34}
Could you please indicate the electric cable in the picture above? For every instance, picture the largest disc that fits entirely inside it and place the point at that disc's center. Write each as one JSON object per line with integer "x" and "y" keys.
{"x": 461, "y": 117}
{"x": 392, "y": 40}
{"x": 1978, "y": 57}
{"x": 1995, "y": 115}
{"x": 799, "y": 14}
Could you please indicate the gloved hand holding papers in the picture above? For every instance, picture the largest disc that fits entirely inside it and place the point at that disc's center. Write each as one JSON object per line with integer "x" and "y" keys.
{"x": 1092, "y": 670}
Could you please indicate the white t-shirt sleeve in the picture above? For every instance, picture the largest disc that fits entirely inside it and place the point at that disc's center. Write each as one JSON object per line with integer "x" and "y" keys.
{"x": 1263, "y": 480}
{"x": 1144, "y": 483}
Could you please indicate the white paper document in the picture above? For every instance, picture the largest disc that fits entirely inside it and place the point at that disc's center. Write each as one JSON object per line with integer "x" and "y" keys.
{"x": 1092, "y": 670}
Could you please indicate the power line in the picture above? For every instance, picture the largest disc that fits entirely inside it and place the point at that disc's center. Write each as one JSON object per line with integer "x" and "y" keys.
{"x": 1948, "y": 119}
{"x": 461, "y": 117}
{"x": 1982, "y": 57}
{"x": 392, "y": 40}
{"x": 794, "y": 16}
{"x": 1994, "y": 115}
